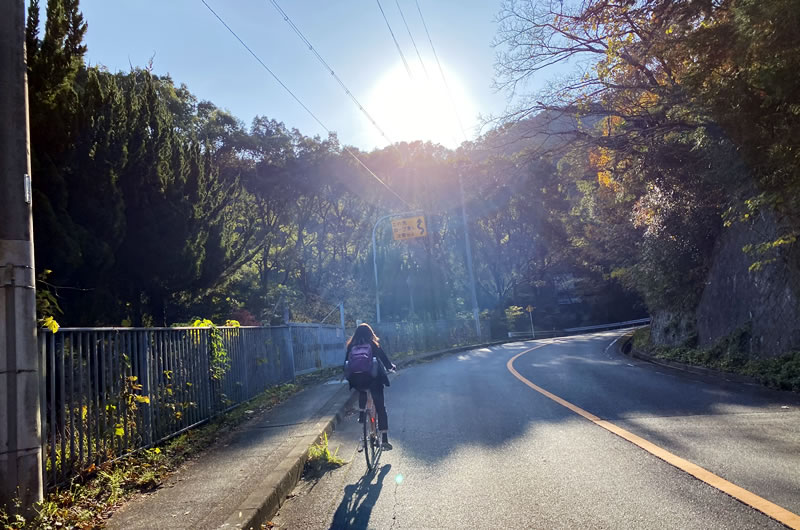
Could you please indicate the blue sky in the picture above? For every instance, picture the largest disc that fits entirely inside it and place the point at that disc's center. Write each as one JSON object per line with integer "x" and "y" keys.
{"x": 185, "y": 40}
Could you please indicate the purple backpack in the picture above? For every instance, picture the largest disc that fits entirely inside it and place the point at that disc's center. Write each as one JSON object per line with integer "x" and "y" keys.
{"x": 360, "y": 360}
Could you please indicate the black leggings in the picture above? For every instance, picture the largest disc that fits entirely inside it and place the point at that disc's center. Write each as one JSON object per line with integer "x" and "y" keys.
{"x": 376, "y": 389}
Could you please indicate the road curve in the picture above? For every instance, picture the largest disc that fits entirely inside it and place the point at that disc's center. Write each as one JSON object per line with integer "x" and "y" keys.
{"x": 475, "y": 446}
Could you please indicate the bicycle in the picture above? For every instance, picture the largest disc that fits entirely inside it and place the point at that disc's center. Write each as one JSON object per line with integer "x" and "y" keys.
{"x": 371, "y": 440}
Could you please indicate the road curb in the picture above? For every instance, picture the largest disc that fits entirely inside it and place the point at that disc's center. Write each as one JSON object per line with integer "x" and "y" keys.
{"x": 268, "y": 497}
{"x": 675, "y": 365}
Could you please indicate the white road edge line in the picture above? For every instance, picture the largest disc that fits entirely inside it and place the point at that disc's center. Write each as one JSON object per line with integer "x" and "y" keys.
{"x": 612, "y": 343}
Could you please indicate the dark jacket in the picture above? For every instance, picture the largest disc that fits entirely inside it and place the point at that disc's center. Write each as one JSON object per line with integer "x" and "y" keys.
{"x": 383, "y": 365}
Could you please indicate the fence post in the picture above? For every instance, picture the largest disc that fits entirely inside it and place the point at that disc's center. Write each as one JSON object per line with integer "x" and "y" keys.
{"x": 42, "y": 337}
{"x": 211, "y": 385}
{"x": 144, "y": 378}
{"x": 246, "y": 358}
{"x": 318, "y": 362}
{"x": 207, "y": 387}
{"x": 341, "y": 319}
{"x": 290, "y": 347}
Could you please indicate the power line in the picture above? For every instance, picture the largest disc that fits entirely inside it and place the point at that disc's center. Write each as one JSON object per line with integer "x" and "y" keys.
{"x": 412, "y": 40}
{"x": 257, "y": 58}
{"x": 441, "y": 71}
{"x": 397, "y": 44}
{"x": 328, "y": 67}
{"x": 422, "y": 62}
{"x": 402, "y": 56}
{"x": 467, "y": 245}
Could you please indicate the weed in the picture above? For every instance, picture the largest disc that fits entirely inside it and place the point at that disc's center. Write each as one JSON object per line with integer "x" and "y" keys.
{"x": 148, "y": 480}
{"x": 12, "y": 520}
{"x": 112, "y": 482}
{"x": 320, "y": 457}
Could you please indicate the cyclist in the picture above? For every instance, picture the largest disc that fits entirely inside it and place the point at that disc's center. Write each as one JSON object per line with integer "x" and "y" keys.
{"x": 371, "y": 374}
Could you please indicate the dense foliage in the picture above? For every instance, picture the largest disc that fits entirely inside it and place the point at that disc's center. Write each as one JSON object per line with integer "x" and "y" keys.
{"x": 152, "y": 207}
{"x": 689, "y": 119}
{"x": 680, "y": 119}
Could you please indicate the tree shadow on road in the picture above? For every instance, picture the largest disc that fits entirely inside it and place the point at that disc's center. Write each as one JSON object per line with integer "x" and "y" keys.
{"x": 472, "y": 399}
{"x": 356, "y": 506}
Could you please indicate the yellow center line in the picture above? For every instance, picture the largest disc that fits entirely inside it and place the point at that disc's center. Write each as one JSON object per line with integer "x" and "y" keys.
{"x": 782, "y": 515}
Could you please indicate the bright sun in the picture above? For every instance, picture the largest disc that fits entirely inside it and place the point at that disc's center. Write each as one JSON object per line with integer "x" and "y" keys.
{"x": 420, "y": 109}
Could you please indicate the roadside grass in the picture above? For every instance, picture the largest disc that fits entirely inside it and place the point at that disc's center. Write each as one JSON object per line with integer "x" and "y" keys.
{"x": 90, "y": 499}
{"x": 641, "y": 339}
{"x": 321, "y": 459}
{"x": 782, "y": 373}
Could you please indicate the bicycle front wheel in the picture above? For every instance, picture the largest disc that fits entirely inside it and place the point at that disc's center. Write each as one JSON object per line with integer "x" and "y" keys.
{"x": 367, "y": 440}
{"x": 374, "y": 440}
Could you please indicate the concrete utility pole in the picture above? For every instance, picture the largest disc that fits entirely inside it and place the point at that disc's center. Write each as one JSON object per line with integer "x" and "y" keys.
{"x": 20, "y": 427}
{"x": 475, "y": 312}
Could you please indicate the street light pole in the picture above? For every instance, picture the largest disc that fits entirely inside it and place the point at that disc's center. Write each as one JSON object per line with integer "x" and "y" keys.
{"x": 20, "y": 431}
{"x": 375, "y": 257}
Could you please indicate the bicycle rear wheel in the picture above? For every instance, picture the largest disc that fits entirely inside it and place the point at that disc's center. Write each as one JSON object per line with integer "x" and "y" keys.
{"x": 370, "y": 440}
{"x": 366, "y": 440}
{"x": 374, "y": 439}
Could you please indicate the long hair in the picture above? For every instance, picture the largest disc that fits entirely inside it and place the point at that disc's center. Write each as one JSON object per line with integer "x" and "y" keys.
{"x": 363, "y": 335}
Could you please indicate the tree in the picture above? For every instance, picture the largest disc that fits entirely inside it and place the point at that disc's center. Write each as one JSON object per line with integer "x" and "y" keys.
{"x": 648, "y": 147}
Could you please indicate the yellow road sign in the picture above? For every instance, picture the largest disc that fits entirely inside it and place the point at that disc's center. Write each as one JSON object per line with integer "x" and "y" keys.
{"x": 529, "y": 308}
{"x": 409, "y": 228}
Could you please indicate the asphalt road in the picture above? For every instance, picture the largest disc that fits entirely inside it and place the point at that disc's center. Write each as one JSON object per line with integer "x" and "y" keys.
{"x": 475, "y": 447}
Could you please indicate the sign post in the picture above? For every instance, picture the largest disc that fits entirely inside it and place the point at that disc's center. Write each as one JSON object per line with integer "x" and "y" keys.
{"x": 529, "y": 309}
{"x": 421, "y": 227}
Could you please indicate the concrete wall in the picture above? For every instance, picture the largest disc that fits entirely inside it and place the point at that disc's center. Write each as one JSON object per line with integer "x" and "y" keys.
{"x": 669, "y": 328}
{"x": 765, "y": 303}
{"x": 766, "y": 300}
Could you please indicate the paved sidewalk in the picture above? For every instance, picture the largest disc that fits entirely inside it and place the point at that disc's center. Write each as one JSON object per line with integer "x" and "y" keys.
{"x": 240, "y": 477}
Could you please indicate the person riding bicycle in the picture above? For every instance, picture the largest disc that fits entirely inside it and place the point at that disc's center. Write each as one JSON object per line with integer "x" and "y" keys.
{"x": 365, "y": 367}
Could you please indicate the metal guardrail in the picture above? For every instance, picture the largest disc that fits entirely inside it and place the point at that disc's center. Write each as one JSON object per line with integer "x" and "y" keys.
{"x": 614, "y": 325}
{"x": 409, "y": 337}
{"x": 560, "y": 333}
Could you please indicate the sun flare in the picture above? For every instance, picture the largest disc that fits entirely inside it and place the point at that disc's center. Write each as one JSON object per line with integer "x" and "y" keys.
{"x": 420, "y": 109}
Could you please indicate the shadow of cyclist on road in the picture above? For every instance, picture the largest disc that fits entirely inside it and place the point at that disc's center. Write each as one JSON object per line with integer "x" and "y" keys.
{"x": 356, "y": 507}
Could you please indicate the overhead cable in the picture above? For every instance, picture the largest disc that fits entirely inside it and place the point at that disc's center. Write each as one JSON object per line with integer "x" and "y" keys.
{"x": 328, "y": 67}
{"x": 424, "y": 69}
{"x": 412, "y": 40}
{"x": 397, "y": 44}
{"x": 344, "y": 147}
{"x": 441, "y": 71}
